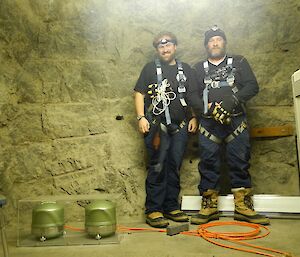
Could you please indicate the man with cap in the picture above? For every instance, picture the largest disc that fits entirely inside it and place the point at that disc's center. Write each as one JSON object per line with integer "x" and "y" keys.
{"x": 161, "y": 96}
{"x": 227, "y": 83}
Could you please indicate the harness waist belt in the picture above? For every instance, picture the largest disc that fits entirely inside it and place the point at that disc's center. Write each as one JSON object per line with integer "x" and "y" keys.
{"x": 176, "y": 129}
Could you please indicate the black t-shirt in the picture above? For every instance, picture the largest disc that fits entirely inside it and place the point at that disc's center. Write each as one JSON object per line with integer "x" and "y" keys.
{"x": 148, "y": 76}
{"x": 245, "y": 80}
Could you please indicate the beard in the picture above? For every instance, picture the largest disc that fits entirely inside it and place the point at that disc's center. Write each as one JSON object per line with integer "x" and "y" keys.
{"x": 216, "y": 52}
{"x": 167, "y": 57}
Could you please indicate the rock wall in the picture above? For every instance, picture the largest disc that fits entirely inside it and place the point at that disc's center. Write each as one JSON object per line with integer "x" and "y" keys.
{"x": 68, "y": 69}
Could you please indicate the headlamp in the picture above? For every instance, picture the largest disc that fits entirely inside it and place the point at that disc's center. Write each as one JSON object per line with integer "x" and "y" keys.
{"x": 214, "y": 31}
{"x": 165, "y": 41}
{"x": 214, "y": 28}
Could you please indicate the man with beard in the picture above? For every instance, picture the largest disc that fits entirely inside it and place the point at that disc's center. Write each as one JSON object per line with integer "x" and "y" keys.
{"x": 161, "y": 96}
{"x": 228, "y": 83}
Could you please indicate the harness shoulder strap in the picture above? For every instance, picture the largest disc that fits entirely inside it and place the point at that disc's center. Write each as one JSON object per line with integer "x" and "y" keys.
{"x": 158, "y": 72}
{"x": 229, "y": 61}
{"x": 181, "y": 78}
{"x": 159, "y": 84}
{"x": 207, "y": 82}
{"x": 206, "y": 67}
{"x": 231, "y": 78}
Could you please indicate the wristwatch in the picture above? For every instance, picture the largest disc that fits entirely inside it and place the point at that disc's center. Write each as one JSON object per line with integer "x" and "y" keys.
{"x": 139, "y": 117}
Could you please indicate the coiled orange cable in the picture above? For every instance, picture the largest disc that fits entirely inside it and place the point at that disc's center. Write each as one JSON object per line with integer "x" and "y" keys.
{"x": 258, "y": 231}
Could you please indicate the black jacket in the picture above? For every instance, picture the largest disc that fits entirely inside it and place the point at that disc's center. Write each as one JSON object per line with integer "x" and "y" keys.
{"x": 245, "y": 81}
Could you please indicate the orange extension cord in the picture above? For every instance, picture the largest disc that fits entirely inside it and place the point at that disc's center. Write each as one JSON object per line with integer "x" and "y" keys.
{"x": 258, "y": 231}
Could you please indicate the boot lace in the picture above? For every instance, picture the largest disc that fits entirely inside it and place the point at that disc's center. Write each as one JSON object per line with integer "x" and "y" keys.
{"x": 248, "y": 202}
{"x": 207, "y": 203}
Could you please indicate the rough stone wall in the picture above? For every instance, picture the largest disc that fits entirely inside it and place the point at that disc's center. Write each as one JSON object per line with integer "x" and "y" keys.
{"x": 68, "y": 69}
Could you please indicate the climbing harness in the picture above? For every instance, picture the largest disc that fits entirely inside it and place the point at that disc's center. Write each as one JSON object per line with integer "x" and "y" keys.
{"x": 222, "y": 77}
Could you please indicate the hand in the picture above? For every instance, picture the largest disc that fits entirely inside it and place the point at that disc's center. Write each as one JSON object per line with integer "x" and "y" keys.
{"x": 144, "y": 125}
{"x": 229, "y": 103}
{"x": 193, "y": 125}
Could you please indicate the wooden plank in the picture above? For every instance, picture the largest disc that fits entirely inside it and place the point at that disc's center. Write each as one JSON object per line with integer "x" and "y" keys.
{"x": 278, "y": 131}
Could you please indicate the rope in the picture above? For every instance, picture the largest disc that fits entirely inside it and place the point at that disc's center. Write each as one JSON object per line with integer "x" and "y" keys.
{"x": 164, "y": 97}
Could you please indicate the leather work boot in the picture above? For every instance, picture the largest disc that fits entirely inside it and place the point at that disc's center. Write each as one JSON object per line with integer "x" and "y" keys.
{"x": 176, "y": 215}
{"x": 244, "y": 210}
{"x": 156, "y": 220}
{"x": 209, "y": 208}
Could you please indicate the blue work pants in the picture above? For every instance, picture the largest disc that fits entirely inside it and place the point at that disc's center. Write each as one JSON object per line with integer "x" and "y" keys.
{"x": 163, "y": 183}
{"x": 237, "y": 155}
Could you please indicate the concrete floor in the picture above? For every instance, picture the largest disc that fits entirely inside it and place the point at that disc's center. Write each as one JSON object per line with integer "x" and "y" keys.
{"x": 284, "y": 236}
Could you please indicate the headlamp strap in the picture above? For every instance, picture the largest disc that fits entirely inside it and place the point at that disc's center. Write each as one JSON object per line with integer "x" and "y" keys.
{"x": 165, "y": 41}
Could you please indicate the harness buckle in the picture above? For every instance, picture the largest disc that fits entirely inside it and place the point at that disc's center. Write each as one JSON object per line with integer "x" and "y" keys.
{"x": 215, "y": 84}
{"x": 180, "y": 77}
{"x": 208, "y": 81}
{"x": 181, "y": 89}
{"x": 230, "y": 80}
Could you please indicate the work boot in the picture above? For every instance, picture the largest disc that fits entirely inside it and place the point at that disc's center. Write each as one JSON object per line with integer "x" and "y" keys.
{"x": 176, "y": 215}
{"x": 244, "y": 210}
{"x": 209, "y": 208}
{"x": 156, "y": 220}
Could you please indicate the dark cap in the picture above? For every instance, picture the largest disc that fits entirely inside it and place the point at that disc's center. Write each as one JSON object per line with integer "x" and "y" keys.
{"x": 160, "y": 38}
{"x": 214, "y": 31}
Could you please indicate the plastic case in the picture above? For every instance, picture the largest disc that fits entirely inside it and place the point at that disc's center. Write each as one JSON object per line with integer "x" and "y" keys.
{"x": 67, "y": 220}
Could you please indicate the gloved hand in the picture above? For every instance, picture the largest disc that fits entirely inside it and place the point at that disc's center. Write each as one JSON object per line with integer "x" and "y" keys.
{"x": 220, "y": 114}
{"x": 229, "y": 102}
